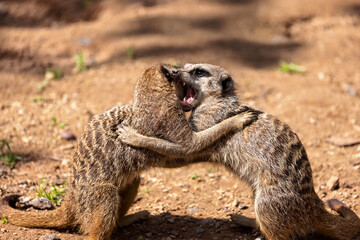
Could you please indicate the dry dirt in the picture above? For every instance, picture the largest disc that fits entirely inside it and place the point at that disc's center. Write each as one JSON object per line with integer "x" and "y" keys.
{"x": 249, "y": 38}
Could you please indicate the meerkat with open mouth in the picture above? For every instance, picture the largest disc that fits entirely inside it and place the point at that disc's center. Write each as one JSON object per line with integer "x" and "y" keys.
{"x": 267, "y": 154}
{"x": 105, "y": 172}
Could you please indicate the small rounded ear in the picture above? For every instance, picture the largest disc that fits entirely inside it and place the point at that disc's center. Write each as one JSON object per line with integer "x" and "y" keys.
{"x": 227, "y": 83}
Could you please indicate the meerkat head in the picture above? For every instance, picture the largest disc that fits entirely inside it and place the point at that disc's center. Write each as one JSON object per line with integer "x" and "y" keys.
{"x": 156, "y": 84}
{"x": 200, "y": 81}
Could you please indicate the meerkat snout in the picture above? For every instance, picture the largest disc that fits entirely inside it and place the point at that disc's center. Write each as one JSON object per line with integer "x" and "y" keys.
{"x": 174, "y": 72}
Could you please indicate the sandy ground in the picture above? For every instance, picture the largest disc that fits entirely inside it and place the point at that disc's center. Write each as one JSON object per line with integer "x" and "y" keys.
{"x": 119, "y": 39}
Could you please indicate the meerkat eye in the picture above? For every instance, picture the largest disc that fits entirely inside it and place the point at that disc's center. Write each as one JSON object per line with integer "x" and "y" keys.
{"x": 200, "y": 72}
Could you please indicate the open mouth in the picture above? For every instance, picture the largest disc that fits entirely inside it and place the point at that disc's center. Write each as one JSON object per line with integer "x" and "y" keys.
{"x": 189, "y": 96}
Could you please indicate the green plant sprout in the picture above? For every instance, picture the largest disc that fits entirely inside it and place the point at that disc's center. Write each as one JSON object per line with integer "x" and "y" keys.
{"x": 55, "y": 122}
{"x": 4, "y": 220}
{"x": 175, "y": 64}
{"x": 37, "y": 99}
{"x": 8, "y": 158}
{"x": 130, "y": 52}
{"x": 195, "y": 176}
{"x": 80, "y": 62}
{"x": 50, "y": 74}
{"x": 54, "y": 194}
{"x": 43, "y": 84}
{"x": 54, "y": 73}
{"x": 291, "y": 67}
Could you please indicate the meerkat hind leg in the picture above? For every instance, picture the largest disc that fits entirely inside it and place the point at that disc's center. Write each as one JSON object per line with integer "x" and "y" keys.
{"x": 127, "y": 195}
{"x": 104, "y": 218}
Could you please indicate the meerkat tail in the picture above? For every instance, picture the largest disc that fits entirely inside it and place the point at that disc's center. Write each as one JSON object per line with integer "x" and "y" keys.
{"x": 58, "y": 218}
{"x": 345, "y": 226}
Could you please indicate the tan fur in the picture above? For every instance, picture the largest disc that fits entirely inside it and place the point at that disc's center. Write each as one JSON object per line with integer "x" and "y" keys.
{"x": 105, "y": 172}
{"x": 268, "y": 155}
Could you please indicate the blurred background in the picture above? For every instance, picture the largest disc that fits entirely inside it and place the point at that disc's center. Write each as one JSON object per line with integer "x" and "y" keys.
{"x": 61, "y": 62}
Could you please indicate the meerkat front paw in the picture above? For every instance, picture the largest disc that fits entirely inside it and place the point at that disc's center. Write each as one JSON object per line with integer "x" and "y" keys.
{"x": 127, "y": 134}
{"x": 245, "y": 119}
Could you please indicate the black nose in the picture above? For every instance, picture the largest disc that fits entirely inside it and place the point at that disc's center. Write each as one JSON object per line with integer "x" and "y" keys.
{"x": 169, "y": 72}
{"x": 174, "y": 73}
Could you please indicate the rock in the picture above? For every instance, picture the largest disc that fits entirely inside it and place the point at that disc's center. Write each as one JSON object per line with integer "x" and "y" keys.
{"x": 170, "y": 220}
{"x": 68, "y": 135}
{"x": 205, "y": 221}
{"x": 41, "y": 203}
{"x": 23, "y": 182}
{"x": 84, "y": 41}
{"x": 343, "y": 142}
{"x": 218, "y": 224}
{"x": 51, "y": 236}
{"x": 3, "y": 172}
{"x": 235, "y": 203}
{"x": 243, "y": 207}
{"x": 194, "y": 210}
{"x": 24, "y": 200}
{"x": 213, "y": 175}
{"x": 333, "y": 183}
{"x": 174, "y": 232}
{"x": 350, "y": 90}
{"x": 321, "y": 76}
{"x": 199, "y": 230}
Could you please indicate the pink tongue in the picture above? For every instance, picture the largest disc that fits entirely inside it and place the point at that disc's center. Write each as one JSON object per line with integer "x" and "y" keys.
{"x": 190, "y": 96}
{"x": 190, "y": 92}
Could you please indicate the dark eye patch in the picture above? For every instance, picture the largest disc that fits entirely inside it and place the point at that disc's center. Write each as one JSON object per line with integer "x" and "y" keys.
{"x": 199, "y": 72}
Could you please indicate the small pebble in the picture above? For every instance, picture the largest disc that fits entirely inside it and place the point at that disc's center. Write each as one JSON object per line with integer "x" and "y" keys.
{"x": 192, "y": 210}
{"x": 24, "y": 200}
{"x": 41, "y": 203}
{"x": 84, "y": 41}
{"x": 2, "y": 172}
{"x": 68, "y": 135}
{"x": 174, "y": 232}
{"x": 213, "y": 175}
{"x": 199, "y": 230}
{"x": 22, "y": 182}
{"x": 243, "y": 207}
{"x": 350, "y": 90}
{"x": 333, "y": 183}
{"x": 235, "y": 203}
{"x": 205, "y": 221}
{"x": 51, "y": 236}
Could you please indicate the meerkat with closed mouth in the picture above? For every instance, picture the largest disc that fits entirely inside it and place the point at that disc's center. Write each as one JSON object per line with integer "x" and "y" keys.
{"x": 105, "y": 172}
{"x": 267, "y": 154}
